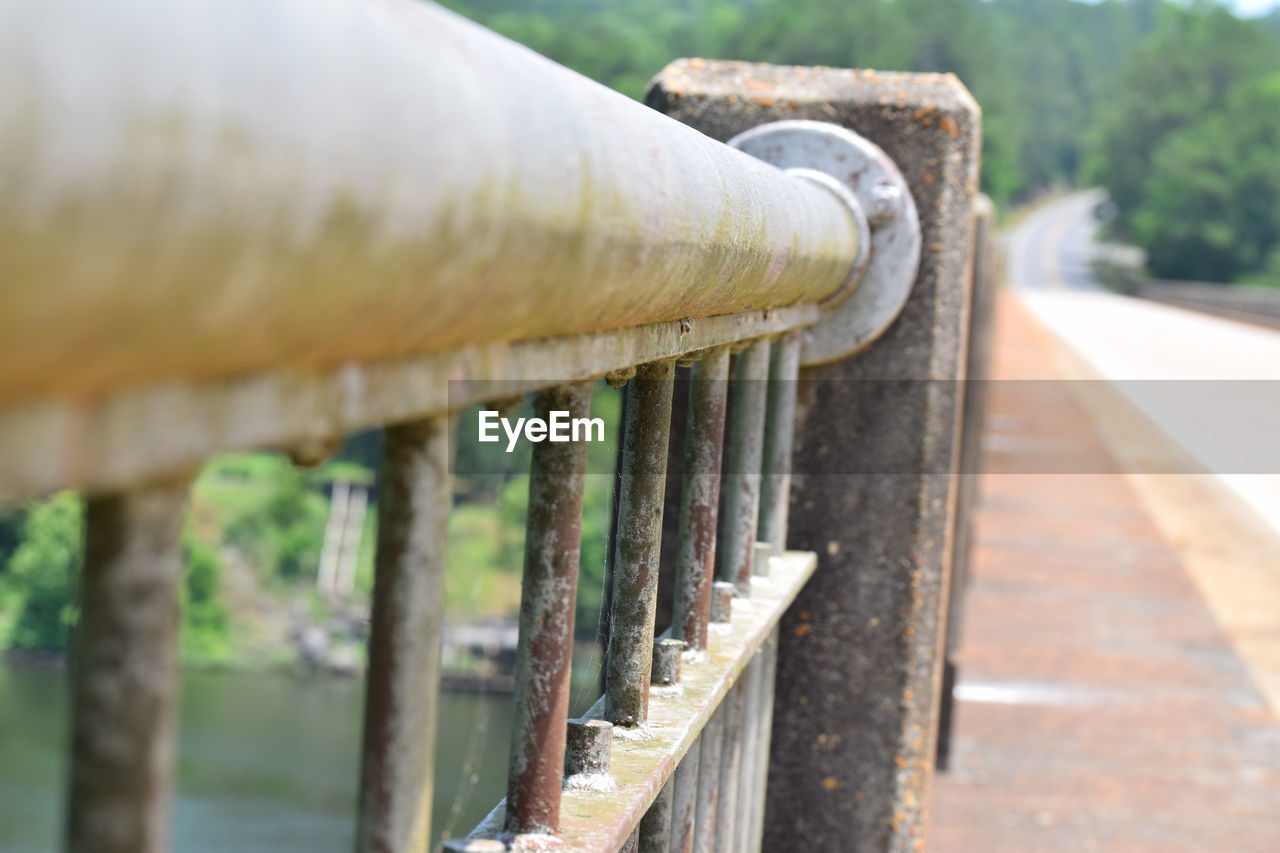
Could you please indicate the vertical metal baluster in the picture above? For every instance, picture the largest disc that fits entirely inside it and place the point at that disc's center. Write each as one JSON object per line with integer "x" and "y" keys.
{"x": 700, "y": 497}
{"x": 124, "y": 676}
{"x": 685, "y": 800}
{"x": 642, "y": 488}
{"x": 779, "y": 434}
{"x": 743, "y": 460}
{"x": 755, "y": 757}
{"x": 779, "y": 438}
{"x": 759, "y": 750}
{"x": 727, "y": 815}
{"x": 667, "y": 655}
{"x": 588, "y": 748}
{"x": 722, "y": 601}
{"x": 403, "y": 681}
{"x": 768, "y": 679}
{"x": 545, "y": 653}
{"x": 712, "y": 742}
{"x": 751, "y": 760}
{"x": 614, "y": 380}
{"x": 655, "y": 826}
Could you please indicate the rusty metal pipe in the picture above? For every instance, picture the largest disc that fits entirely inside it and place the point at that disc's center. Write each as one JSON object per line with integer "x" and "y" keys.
{"x": 700, "y": 497}
{"x": 634, "y": 570}
{"x": 779, "y": 436}
{"x": 402, "y": 683}
{"x": 601, "y": 817}
{"x": 743, "y": 460}
{"x": 124, "y": 675}
{"x": 316, "y": 182}
{"x": 552, "y": 549}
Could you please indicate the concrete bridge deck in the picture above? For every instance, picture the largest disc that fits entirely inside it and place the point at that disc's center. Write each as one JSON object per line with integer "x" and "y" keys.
{"x": 1120, "y": 657}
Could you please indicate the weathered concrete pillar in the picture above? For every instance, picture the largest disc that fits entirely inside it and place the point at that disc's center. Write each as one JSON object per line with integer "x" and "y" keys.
{"x": 860, "y": 654}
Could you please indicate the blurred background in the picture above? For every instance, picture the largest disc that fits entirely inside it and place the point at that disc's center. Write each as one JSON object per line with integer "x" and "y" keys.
{"x": 1129, "y": 147}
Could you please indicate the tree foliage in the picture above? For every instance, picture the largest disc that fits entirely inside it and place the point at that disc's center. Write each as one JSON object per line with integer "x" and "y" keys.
{"x": 42, "y": 572}
{"x": 1187, "y": 146}
{"x": 1165, "y": 105}
{"x": 1038, "y": 67}
{"x": 41, "y": 580}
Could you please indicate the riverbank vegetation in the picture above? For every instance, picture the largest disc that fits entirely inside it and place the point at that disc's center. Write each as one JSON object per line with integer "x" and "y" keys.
{"x": 1174, "y": 109}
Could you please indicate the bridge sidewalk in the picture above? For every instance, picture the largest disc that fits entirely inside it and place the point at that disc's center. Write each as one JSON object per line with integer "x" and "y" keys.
{"x": 1101, "y": 705}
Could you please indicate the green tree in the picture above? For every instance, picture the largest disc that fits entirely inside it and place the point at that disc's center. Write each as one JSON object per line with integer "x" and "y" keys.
{"x": 1038, "y": 67}
{"x": 206, "y": 623}
{"x": 1186, "y": 145}
{"x": 278, "y": 522}
{"x": 1211, "y": 204}
{"x": 43, "y": 571}
{"x": 1177, "y": 78}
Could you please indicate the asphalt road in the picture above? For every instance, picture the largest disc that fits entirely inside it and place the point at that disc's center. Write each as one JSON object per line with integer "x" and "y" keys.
{"x": 1210, "y": 385}
{"x": 1052, "y": 249}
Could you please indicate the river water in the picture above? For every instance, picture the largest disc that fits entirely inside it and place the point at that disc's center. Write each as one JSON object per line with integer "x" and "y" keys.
{"x": 268, "y": 763}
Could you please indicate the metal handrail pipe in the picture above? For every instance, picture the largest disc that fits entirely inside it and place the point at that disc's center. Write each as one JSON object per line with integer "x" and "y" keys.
{"x": 192, "y": 190}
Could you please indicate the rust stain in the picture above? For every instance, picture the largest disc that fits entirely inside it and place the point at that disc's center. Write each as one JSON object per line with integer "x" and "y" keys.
{"x": 761, "y": 100}
{"x": 803, "y": 629}
{"x": 831, "y": 783}
{"x": 948, "y": 125}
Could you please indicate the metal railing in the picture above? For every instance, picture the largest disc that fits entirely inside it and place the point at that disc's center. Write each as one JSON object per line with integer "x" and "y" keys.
{"x": 251, "y": 224}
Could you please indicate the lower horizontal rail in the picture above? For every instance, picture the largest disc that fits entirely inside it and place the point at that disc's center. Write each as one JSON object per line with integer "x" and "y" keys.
{"x": 603, "y": 820}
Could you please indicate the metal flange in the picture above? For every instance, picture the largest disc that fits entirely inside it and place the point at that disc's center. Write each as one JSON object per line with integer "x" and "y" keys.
{"x": 862, "y": 175}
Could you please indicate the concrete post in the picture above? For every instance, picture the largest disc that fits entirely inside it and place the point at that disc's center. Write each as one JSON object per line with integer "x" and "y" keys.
{"x": 860, "y": 653}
